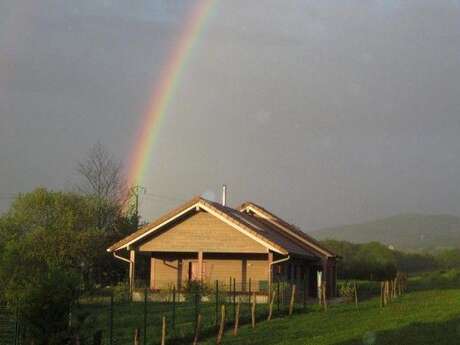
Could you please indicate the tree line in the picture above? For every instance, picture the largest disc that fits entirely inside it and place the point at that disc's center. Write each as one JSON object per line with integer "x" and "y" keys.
{"x": 376, "y": 261}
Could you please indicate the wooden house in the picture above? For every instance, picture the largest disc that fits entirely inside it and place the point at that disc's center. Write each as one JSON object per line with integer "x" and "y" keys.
{"x": 207, "y": 241}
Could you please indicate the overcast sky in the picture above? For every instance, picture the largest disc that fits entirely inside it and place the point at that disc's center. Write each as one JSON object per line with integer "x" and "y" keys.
{"x": 327, "y": 112}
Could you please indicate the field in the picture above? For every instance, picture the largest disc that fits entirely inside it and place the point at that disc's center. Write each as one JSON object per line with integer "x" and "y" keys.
{"x": 425, "y": 315}
{"x": 421, "y": 317}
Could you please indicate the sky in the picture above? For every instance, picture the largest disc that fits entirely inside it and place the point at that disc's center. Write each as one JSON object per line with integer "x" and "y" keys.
{"x": 325, "y": 112}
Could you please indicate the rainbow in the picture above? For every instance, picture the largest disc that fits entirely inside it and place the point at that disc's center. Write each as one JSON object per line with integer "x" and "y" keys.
{"x": 164, "y": 92}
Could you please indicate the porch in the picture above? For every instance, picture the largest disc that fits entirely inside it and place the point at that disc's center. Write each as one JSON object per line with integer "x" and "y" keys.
{"x": 241, "y": 274}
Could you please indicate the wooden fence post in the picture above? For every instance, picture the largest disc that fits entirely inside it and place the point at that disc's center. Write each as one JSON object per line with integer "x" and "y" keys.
{"x": 197, "y": 329}
{"x": 220, "y": 335}
{"x": 270, "y": 308}
{"x": 385, "y": 288}
{"x": 237, "y": 317}
{"x": 390, "y": 290}
{"x": 324, "y": 295}
{"x": 253, "y": 310}
{"x": 163, "y": 331}
{"x": 382, "y": 294}
{"x": 356, "y": 294}
{"x": 137, "y": 335}
{"x": 291, "y": 303}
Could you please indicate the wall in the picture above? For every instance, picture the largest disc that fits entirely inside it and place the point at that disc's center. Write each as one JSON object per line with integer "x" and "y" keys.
{"x": 201, "y": 232}
{"x": 242, "y": 267}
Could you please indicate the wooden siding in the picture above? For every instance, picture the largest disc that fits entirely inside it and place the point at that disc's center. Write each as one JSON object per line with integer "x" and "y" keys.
{"x": 202, "y": 232}
{"x": 166, "y": 271}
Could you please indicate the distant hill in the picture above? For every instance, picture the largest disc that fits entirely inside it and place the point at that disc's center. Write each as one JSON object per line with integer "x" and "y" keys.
{"x": 412, "y": 232}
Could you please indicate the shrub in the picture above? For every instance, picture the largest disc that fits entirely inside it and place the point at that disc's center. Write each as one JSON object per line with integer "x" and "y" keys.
{"x": 121, "y": 292}
{"x": 196, "y": 288}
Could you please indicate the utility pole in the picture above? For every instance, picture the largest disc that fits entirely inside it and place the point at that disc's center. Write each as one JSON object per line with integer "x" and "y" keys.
{"x": 135, "y": 191}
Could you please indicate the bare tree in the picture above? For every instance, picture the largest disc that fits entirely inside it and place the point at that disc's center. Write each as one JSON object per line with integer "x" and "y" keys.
{"x": 102, "y": 175}
{"x": 102, "y": 178}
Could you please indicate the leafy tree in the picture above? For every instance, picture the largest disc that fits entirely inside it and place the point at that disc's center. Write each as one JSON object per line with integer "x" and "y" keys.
{"x": 51, "y": 249}
{"x": 449, "y": 258}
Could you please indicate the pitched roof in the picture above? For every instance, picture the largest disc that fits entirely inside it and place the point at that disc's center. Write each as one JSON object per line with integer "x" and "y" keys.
{"x": 269, "y": 233}
{"x": 144, "y": 229}
{"x": 286, "y": 227}
{"x": 265, "y": 231}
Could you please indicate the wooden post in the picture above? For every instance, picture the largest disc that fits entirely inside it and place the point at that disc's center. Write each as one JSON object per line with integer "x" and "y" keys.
{"x": 253, "y": 311}
{"x": 220, "y": 335}
{"x": 163, "y": 331}
{"x": 137, "y": 336}
{"x": 385, "y": 293}
{"x": 270, "y": 260}
{"x": 319, "y": 284}
{"x": 197, "y": 330}
{"x": 200, "y": 266}
{"x": 390, "y": 289}
{"x": 270, "y": 308}
{"x": 324, "y": 295}
{"x": 132, "y": 271}
{"x": 387, "y": 289}
{"x": 152, "y": 273}
{"x": 291, "y": 303}
{"x": 381, "y": 295}
{"x": 395, "y": 284}
{"x": 237, "y": 317}
{"x": 356, "y": 294}
{"x": 249, "y": 293}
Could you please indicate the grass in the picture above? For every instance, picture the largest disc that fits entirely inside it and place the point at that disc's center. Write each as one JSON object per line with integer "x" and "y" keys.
{"x": 425, "y": 315}
{"x": 130, "y": 315}
{"x": 421, "y": 317}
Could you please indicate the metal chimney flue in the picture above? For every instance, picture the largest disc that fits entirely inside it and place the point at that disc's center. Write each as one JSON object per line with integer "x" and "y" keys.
{"x": 224, "y": 195}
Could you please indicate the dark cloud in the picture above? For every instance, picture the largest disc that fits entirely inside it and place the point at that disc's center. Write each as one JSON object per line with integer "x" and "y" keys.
{"x": 328, "y": 112}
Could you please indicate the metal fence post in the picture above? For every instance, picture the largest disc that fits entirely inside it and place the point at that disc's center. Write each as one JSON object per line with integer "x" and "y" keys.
{"x": 145, "y": 316}
{"x": 278, "y": 296}
{"x": 217, "y": 302}
{"x": 305, "y": 291}
{"x": 234, "y": 297}
{"x": 196, "y": 309}
{"x": 111, "y": 320}
{"x": 16, "y": 326}
{"x": 174, "y": 309}
{"x": 250, "y": 294}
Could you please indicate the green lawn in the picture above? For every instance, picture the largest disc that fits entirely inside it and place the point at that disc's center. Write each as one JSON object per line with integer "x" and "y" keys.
{"x": 425, "y": 315}
{"x": 130, "y": 315}
{"x": 421, "y": 317}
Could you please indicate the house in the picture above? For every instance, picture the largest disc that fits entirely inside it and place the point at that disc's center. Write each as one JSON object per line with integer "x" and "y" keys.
{"x": 207, "y": 241}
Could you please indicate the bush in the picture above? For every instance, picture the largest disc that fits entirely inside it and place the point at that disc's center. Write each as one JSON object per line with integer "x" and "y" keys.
{"x": 346, "y": 289}
{"x": 439, "y": 279}
{"x": 194, "y": 287}
{"x": 44, "y": 306}
{"x": 121, "y": 292}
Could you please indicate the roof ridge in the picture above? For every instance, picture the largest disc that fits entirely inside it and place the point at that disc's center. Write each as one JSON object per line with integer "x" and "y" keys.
{"x": 216, "y": 207}
{"x": 282, "y": 223}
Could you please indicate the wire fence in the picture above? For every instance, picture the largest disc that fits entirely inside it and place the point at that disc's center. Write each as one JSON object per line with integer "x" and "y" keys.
{"x": 9, "y": 327}
{"x": 115, "y": 317}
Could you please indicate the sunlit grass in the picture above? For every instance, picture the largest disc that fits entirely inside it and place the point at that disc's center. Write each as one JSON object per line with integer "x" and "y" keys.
{"x": 423, "y": 317}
